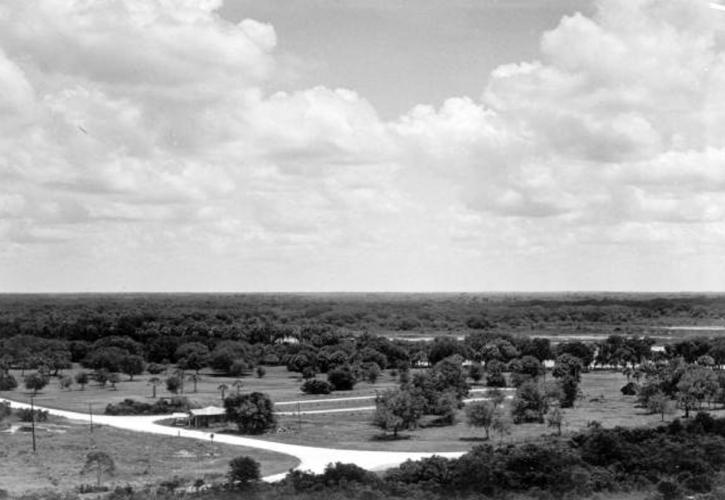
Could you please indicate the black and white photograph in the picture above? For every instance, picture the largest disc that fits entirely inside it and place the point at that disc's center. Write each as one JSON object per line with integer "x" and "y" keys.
{"x": 362, "y": 249}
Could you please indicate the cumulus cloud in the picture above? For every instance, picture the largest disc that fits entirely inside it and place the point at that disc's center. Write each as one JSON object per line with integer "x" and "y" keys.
{"x": 145, "y": 133}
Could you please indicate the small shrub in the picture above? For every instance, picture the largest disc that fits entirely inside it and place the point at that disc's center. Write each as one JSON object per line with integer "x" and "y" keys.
{"x": 261, "y": 372}
{"x": 242, "y": 470}
{"x": 26, "y": 415}
{"x": 630, "y": 389}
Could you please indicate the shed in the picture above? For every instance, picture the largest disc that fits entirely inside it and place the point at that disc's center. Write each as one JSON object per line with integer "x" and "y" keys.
{"x": 203, "y": 417}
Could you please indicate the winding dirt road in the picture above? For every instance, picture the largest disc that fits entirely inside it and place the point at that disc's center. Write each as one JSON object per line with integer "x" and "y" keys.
{"x": 311, "y": 458}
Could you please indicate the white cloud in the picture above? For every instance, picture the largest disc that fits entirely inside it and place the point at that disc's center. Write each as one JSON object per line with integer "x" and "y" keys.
{"x": 145, "y": 133}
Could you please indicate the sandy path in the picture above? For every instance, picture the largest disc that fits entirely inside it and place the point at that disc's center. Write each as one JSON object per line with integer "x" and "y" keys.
{"x": 311, "y": 458}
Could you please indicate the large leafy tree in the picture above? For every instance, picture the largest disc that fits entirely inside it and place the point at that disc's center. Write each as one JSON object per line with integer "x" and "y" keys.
{"x": 253, "y": 413}
{"x": 530, "y": 404}
{"x": 397, "y": 410}
{"x": 131, "y": 365}
{"x": 99, "y": 462}
{"x": 480, "y": 414}
{"x": 35, "y": 382}
{"x": 192, "y": 356}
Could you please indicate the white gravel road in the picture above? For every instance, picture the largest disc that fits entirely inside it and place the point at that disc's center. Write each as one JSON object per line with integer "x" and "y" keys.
{"x": 311, "y": 458}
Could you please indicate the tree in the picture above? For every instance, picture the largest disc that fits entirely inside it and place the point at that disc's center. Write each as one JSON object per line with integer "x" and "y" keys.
{"x": 65, "y": 382}
{"x": 222, "y": 388}
{"x": 529, "y": 404}
{"x": 5, "y": 411}
{"x": 100, "y": 462}
{"x": 154, "y": 382}
{"x": 7, "y": 381}
{"x": 444, "y": 347}
{"x": 226, "y": 352}
{"x": 261, "y": 372}
{"x": 82, "y": 379}
{"x": 35, "y": 382}
{"x": 253, "y": 413}
{"x": 568, "y": 370}
{"x": 579, "y": 350}
{"x": 101, "y": 376}
{"x": 475, "y": 371}
{"x": 242, "y": 470}
{"x": 238, "y": 384}
{"x": 695, "y": 386}
{"x": 131, "y": 365}
{"x": 555, "y": 419}
{"x": 314, "y": 386}
{"x": 372, "y": 372}
{"x": 113, "y": 379}
{"x": 526, "y": 368}
{"x": 195, "y": 378}
{"x": 494, "y": 374}
{"x": 173, "y": 384}
{"x": 497, "y": 396}
{"x": 192, "y": 356}
{"x": 568, "y": 365}
{"x": 480, "y": 414}
{"x": 659, "y": 403}
{"x": 397, "y": 410}
{"x": 342, "y": 378}
{"x": 501, "y": 424}
{"x": 569, "y": 391}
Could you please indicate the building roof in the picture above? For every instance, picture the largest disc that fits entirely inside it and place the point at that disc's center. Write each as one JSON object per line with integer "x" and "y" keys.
{"x": 207, "y": 412}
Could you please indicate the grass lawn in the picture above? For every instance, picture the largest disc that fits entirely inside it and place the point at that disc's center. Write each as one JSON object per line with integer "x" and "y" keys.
{"x": 139, "y": 458}
{"x": 601, "y": 401}
{"x": 280, "y": 384}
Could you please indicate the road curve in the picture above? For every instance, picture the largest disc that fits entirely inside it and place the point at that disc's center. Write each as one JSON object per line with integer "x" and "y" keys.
{"x": 311, "y": 458}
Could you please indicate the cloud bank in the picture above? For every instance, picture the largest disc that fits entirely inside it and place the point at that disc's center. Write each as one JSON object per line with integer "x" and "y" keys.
{"x": 142, "y": 149}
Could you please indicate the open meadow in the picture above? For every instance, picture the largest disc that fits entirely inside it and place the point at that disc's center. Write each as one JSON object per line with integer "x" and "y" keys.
{"x": 140, "y": 459}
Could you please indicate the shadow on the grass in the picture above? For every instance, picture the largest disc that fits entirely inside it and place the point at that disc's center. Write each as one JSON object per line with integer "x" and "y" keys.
{"x": 474, "y": 439}
{"x": 390, "y": 437}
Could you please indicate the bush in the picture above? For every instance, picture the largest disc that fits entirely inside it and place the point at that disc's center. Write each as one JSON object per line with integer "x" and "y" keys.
{"x": 7, "y": 382}
{"x": 261, "y": 371}
{"x": 314, "y": 386}
{"x": 342, "y": 378}
{"x": 630, "y": 389}
{"x": 242, "y": 470}
{"x": 26, "y": 415}
{"x": 161, "y": 407}
{"x": 155, "y": 368}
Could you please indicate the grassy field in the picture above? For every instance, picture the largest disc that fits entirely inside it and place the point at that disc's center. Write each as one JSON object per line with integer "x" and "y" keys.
{"x": 139, "y": 458}
{"x": 280, "y": 384}
{"x": 601, "y": 401}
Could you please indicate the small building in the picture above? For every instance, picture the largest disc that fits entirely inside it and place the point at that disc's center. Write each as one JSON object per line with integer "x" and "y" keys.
{"x": 203, "y": 417}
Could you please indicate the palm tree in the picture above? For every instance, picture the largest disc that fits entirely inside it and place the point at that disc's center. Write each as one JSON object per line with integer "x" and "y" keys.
{"x": 153, "y": 382}
{"x": 195, "y": 378}
{"x": 223, "y": 388}
{"x": 179, "y": 373}
{"x": 237, "y": 384}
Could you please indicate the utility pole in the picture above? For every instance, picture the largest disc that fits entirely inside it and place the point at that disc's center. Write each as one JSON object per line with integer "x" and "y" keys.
{"x": 299, "y": 418}
{"x": 32, "y": 414}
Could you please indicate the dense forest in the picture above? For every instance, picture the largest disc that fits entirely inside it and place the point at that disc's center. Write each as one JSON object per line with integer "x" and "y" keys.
{"x": 91, "y": 317}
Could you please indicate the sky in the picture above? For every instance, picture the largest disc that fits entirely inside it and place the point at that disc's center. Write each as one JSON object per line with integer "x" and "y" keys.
{"x": 378, "y": 145}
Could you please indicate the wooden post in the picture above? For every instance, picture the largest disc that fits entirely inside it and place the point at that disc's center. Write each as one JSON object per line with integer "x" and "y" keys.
{"x": 299, "y": 418}
{"x": 32, "y": 414}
